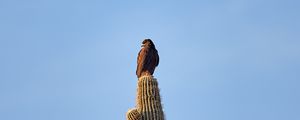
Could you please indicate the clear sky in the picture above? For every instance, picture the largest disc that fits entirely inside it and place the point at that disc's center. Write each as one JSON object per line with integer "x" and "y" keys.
{"x": 219, "y": 60}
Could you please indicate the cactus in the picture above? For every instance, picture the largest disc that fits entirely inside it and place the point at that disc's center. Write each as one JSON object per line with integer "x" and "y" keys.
{"x": 148, "y": 104}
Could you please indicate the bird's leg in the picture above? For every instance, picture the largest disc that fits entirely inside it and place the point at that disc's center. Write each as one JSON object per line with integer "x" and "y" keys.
{"x": 146, "y": 73}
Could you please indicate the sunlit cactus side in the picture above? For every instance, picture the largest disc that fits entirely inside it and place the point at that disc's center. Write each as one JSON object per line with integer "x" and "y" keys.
{"x": 148, "y": 102}
{"x": 133, "y": 114}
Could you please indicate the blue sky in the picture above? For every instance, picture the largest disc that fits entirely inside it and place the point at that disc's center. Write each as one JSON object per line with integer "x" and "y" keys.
{"x": 219, "y": 60}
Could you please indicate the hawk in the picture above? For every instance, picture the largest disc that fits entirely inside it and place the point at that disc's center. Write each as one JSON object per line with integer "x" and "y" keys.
{"x": 147, "y": 59}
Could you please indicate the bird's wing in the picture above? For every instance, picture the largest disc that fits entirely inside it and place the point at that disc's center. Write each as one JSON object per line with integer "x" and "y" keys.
{"x": 141, "y": 61}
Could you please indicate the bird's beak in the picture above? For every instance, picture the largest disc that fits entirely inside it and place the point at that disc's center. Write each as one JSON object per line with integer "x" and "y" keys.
{"x": 142, "y": 45}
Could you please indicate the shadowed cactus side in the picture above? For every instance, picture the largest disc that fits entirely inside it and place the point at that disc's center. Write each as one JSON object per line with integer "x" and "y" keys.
{"x": 148, "y": 102}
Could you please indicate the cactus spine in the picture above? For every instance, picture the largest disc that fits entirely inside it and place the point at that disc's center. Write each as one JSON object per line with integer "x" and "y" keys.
{"x": 148, "y": 102}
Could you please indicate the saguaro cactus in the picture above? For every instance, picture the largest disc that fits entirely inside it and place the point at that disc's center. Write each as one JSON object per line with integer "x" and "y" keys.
{"x": 148, "y": 104}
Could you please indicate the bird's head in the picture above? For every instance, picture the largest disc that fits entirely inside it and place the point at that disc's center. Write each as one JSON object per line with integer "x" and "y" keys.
{"x": 148, "y": 43}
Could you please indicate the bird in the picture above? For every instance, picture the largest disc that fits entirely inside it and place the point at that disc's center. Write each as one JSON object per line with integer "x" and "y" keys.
{"x": 147, "y": 59}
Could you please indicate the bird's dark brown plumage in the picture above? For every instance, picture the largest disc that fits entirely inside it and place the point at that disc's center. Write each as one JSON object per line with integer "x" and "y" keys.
{"x": 147, "y": 59}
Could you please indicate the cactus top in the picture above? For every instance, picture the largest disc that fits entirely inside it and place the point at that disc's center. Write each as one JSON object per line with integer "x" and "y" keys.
{"x": 148, "y": 102}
